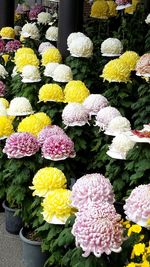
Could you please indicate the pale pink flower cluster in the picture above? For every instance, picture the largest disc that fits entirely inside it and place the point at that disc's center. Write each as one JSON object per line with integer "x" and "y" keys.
{"x": 143, "y": 65}
{"x": 20, "y": 145}
{"x": 12, "y": 46}
{"x": 122, "y": 2}
{"x": 105, "y": 115}
{"x": 48, "y": 131}
{"x": 137, "y": 206}
{"x": 75, "y": 114}
{"x": 94, "y": 103}
{"x": 2, "y": 88}
{"x": 35, "y": 10}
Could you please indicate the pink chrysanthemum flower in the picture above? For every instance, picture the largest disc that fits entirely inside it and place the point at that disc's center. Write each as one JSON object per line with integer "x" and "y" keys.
{"x": 75, "y": 114}
{"x": 2, "y": 46}
{"x": 137, "y": 206}
{"x": 93, "y": 188}
{"x": 35, "y": 10}
{"x": 20, "y": 145}
{"x": 97, "y": 230}
{"x": 2, "y": 88}
{"x": 105, "y": 115}
{"x": 48, "y": 131}
{"x": 94, "y": 103}
{"x": 12, "y": 46}
{"x": 122, "y": 2}
{"x": 58, "y": 147}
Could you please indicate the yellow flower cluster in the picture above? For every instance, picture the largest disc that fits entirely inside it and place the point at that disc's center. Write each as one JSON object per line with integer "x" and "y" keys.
{"x": 26, "y": 59}
{"x": 6, "y": 127}
{"x": 5, "y": 102}
{"x": 116, "y": 70}
{"x": 76, "y": 91}
{"x": 7, "y": 33}
{"x": 51, "y": 55}
{"x": 34, "y": 123}
{"x": 47, "y": 179}
{"x": 131, "y": 58}
{"x": 51, "y": 92}
{"x": 112, "y": 8}
{"x": 103, "y": 9}
{"x": 131, "y": 9}
{"x": 23, "y": 50}
{"x": 57, "y": 206}
{"x": 135, "y": 228}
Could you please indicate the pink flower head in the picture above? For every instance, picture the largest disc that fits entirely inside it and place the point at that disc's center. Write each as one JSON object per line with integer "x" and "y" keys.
{"x": 58, "y": 147}
{"x": 122, "y": 2}
{"x": 12, "y": 46}
{"x": 35, "y": 10}
{"x": 93, "y": 188}
{"x": 105, "y": 115}
{"x": 22, "y": 8}
{"x": 2, "y": 46}
{"x": 143, "y": 64}
{"x": 94, "y": 103}
{"x": 2, "y": 88}
{"x": 20, "y": 145}
{"x": 48, "y": 131}
{"x": 97, "y": 230}
{"x": 75, "y": 114}
{"x": 137, "y": 206}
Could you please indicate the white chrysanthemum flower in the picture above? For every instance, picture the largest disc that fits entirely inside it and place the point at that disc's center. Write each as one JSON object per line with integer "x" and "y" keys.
{"x": 52, "y": 33}
{"x": 63, "y": 74}
{"x": 94, "y": 103}
{"x": 148, "y": 19}
{"x": 120, "y": 146}
{"x": 74, "y": 114}
{"x": 111, "y": 47}
{"x": 81, "y": 47}
{"x": 44, "y": 18}
{"x": 3, "y": 111}
{"x": 3, "y": 72}
{"x": 49, "y": 69}
{"x": 118, "y": 125}
{"x": 73, "y": 36}
{"x": 30, "y": 74}
{"x": 19, "y": 106}
{"x": 30, "y": 30}
{"x": 44, "y": 46}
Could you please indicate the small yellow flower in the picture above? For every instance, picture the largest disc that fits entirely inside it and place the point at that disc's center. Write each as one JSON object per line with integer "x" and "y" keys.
{"x": 6, "y": 58}
{"x": 51, "y": 55}
{"x": 5, "y": 102}
{"x": 7, "y": 32}
{"x": 47, "y": 179}
{"x": 100, "y": 10}
{"x": 76, "y": 91}
{"x": 138, "y": 249}
{"x": 131, "y": 264}
{"x": 131, "y": 58}
{"x": 51, "y": 92}
{"x": 6, "y": 127}
{"x": 134, "y": 229}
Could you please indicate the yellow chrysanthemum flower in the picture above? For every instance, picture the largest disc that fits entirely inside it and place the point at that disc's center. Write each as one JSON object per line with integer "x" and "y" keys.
{"x": 6, "y": 58}
{"x": 134, "y": 229}
{"x": 100, "y": 10}
{"x": 76, "y": 91}
{"x": 26, "y": 59}
{"x": 7, "y": 33}
{"x": 6, "y": 127}
{"x": 131, "y": 9}
{"x": 47, "y": 179}
{"x": 138, "y": 250}
{"x": 57, "y": 206}
{"x": 5, "y": 102}
{"x": 23, "y": 50}
{"x": 131, "y": 58}
{"x": 43, "y": 117}
{"x": 145, "y": 264}
{"x": 131, "y": 264}
{"x": 51, "y": 92}
{"x": 112, "y": 8}
{"x": 116, "y": 71}
{"x": 51, "y": 55}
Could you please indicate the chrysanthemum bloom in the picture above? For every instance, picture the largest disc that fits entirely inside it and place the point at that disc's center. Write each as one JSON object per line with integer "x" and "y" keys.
{"x": 97, "y": 232}
{"x": 12, "y": 46}
{"x": 112, "y": 8}
{"x": 26, "y": 59}
{"x": 137, "y": 206}
{"x": 49, "y": 69}
{"x": 143, "y": 65}
{"x": 58, "y": 147}
{"x": 105, "y": 115}
{"x": 19, "y": 106}
{"x": 132, "y": 9}
{"x": 45, "y": 119}
{"x": 121, "y": 4}
{"x": 44, "y": 46}
{"x": 51, "y": 55}
{"x": 100, "y": 10}
{"x": 116, "y": 71}
{"x": 73, "y": 36}
{"x": 3, "y": 110}
{"x": 20, "y": 145}
{"x": 2, "y": 88}
{"x": 23, "y": 50}
{"x": 30, "y": 30}
{"x": 120, "y": 147}
{"x": 44, "y": 18}
{"x": 94, "y": 103}
{"x": 131, "y": 58}
{"x": 76, "y": 91}
{"x": 6, "y": 127}
{"x": 148, "y": 19}
{"x": 51, "y": 92}
{"x": 7, "y": 33}
{"x": 22, "y": 8}
{"x": 56, "y": 206}
{"x": 81, "y": 47}
{"x": 30, "y": 74}
{"x": 52, "y": 33}
{"x": 118, "y": 125}
{"x": 2, "y": 46}
{"x": 63, "y": 74}
{"x": 74, "y": 114}
{"x": 3, "y": 72}
{"x": 4, "y": 102}
{"x": 93, "y": 188}
{"x": 49, "y": 131}
{"x": 111, "y": 47}
{"x": 46, "y": 180}
{"x": 35, "y": 10}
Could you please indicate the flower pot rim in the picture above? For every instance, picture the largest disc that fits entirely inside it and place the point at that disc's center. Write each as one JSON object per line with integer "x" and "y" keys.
{"x": 28, "y": 241}
{"x": 4, "y": 204}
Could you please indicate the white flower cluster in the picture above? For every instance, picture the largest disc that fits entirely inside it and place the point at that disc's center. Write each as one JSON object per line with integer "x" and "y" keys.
{"x": 118, "y": 125}
{"x": 30, "y": 74}
{"x": 30, "y": 30}
{"x": 44, "y": 18}
{"x": 111, "y": 47}
{"x": 19, "y": 106}
{"x": 3, "y": 72}
{"x": 62, "y": 73}
{"x": 3, "y": 111}
{"x": 49, "y": 69}
{"x": 148, "y": 19}
{"x": 44, "y": 46}
{"x": 52, "y": 33}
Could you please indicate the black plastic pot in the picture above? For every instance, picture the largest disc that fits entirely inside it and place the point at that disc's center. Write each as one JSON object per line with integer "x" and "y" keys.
{"x": 1, "y": 206}
{"x": 32, "y": 254}
{"x": 13, "y": 223}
